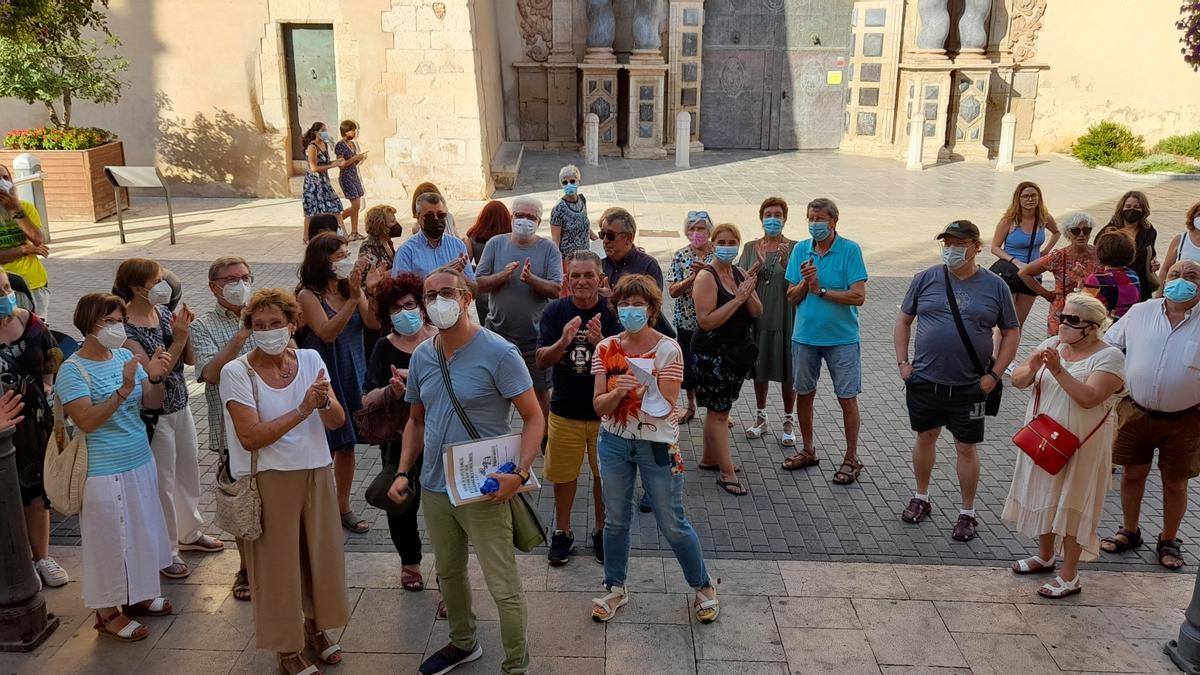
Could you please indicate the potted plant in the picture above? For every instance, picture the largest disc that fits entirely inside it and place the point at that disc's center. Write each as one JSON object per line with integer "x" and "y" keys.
{"x": 48, "y": 62}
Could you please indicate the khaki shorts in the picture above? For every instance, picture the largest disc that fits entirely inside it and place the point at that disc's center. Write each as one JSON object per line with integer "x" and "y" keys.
{"x": 565, "y": 445}
{"x": 1177, "y": 440}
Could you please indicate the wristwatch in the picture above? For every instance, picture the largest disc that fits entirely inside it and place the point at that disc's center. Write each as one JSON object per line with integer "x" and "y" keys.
{"x": 822, "y": 293}
{"x": 523, "y": 473}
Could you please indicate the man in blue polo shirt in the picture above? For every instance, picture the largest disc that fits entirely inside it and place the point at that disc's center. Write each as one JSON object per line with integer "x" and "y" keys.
{"x": 429, "y": 250}
{"x": 827, "y": 281}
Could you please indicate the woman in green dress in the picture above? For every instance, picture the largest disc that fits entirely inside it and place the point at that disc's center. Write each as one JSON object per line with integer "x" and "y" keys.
{"x": 767, "y": 257}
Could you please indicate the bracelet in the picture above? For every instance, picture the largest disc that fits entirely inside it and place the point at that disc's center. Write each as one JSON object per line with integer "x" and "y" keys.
{"x": 120, "y": 395}
{"x": 901, "y": 363}
{"x": 151, "y": 380}
{"x": 302, "y": 415}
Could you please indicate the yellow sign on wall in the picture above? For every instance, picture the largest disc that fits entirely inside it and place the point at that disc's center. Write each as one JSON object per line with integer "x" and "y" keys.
{"x": 833, "y": 77}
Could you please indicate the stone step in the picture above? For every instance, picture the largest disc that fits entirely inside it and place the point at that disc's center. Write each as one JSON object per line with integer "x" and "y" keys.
{"x": 507, "y": 164}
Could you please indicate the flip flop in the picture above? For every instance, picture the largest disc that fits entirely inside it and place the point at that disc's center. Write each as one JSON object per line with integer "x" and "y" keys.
{"x": 733, "y": 487}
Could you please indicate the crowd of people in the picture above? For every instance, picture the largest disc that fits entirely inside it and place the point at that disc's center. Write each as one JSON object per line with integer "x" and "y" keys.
{"x": 453, "y": 332}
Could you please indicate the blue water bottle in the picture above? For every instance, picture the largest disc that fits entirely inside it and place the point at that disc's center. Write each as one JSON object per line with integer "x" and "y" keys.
{"x": 490, "y": 485}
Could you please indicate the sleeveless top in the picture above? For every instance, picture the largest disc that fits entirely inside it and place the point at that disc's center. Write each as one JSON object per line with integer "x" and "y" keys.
{"x": 1017, "y": 243}
{"x": 735, "y": 329}
{"x": 1187, "y": 250}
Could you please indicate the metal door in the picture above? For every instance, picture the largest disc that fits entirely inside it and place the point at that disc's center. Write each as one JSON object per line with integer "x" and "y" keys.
{"x": 773, "y": 73}
{"x": 311, "y": 79}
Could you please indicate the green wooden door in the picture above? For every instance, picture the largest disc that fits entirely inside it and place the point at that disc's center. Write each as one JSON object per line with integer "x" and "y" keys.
{"x": 312, "y": 80}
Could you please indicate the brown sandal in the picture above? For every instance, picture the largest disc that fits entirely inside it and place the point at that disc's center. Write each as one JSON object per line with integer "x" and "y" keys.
{"x": 843, "y": 477}
{"x": 327, "y": 650}
{"x": 155, "y": 607}
{"x": 801, "y": 460}
{"x": 411, "y": 580}
{"x": 241, "y": 586}
{"x": 298, "y": 661}
{"x": 130, "y": 632}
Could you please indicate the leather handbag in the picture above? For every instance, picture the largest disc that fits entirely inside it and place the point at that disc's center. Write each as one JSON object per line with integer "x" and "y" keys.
{"x": 528, "y": 531}
{"x": 1010, "y": 273}
{"x": 376, "y": 493}
{"x": 64, "y": 471}
{"x": 382, "y": 421}
{"x": 992, "y": 404}
{"x": 1049, "y": 444}
{"x": 239, "y": 505}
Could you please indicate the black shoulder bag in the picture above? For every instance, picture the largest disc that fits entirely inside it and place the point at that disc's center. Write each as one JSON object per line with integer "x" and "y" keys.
{"x": 1009, "y": 272}
{"x": 993, "y": 400}
{"x": 528, "y": 531}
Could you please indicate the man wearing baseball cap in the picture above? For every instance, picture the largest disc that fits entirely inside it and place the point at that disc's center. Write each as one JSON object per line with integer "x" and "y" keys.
{"x": 957, "y": 302}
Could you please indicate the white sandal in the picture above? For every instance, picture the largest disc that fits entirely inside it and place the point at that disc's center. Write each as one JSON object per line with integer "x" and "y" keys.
{"x": 758, "y": 430}
{"x": 703, "y": 603}
{"x": 1034, "y": 565}
{"x": 1062, "y": 590}
{"x": 603, "y": 609}
{"x": 788, "y": 440}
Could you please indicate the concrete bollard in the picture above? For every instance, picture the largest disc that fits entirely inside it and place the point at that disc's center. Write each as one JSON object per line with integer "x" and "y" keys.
{"x": 1008, "y": 143}
{"x": 591, "y": 139}
{"x": 916, "y": 142}
{"x": 34, "y": 192}
{"x": 683, "y": 140}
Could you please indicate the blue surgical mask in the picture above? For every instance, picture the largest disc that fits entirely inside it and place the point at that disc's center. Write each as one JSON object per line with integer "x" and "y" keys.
{"x": 632, "y": 318}
{"x": 819, "y": 230}
{"x": 407, "y": 321}
{"x": 570, "y": 189}
{"x": 1179, "y": 290}
{"x": 954, "y": 257}
{"x": 725, "y": 254}
{"x": 324, "y": 135}
{"x": 772, "y": 226}
{"x": 9, "y": 302}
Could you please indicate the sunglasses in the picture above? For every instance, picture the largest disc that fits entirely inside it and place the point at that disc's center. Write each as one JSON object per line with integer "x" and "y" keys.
{"x": 1072, "y": 320}
{"x": 569, "y": 181}
{"x": 697, "y": 215}
{"x": 1076, "y": 231}
{"x": 610, "y": 236}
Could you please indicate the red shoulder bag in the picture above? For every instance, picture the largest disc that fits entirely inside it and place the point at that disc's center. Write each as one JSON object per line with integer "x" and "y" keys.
{"x": 1049, "y": 444}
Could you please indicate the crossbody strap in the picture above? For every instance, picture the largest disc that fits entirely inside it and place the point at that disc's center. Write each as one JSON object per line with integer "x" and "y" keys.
{"x": 962, "y": 329}
{"x": 1037, "y": 399}
{"x": 254, "y": 390}
{"x": 1033, "y": 236}
{"x": 462, "y": 414}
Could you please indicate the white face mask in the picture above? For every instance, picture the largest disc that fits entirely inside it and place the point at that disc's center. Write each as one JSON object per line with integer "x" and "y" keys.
{"x": 112, "y": 336}
{"x": 524, "y": 228}
{"x": 237, "y": 294}
{"x": 273, "y": 341}
{"x": 160, "y": 293}
{"x": 443, "y": 313}
{"x": 343, "y": 267}
{"x": 6, "y": 185}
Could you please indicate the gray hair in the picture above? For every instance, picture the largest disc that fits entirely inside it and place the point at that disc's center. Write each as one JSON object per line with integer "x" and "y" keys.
{"x": 708, "y": 224}
{"x": 824, "y": 204}
{"x": 1076, "y": 218}
{"x": 431, "y": 198}
{"x": 617, "y": 213}
{"x": 584, "y": 255}
{"x": 569, "y": 171}
{"x": 526, "y": 200}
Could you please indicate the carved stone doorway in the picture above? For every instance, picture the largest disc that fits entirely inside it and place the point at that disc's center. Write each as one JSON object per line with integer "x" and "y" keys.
{"x": 774, "y": 73}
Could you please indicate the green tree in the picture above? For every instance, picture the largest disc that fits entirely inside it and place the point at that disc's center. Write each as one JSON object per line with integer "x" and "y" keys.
{"x": 56, "y": 73}
{"x": 1189, "y": 23}
{"x": 51, "y": 19}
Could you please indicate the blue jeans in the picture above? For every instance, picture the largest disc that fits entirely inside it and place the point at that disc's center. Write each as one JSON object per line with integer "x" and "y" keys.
{"x": 620, "y": 461}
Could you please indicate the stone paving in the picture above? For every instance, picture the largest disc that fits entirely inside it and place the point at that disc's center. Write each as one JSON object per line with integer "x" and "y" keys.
{"x": 776, "y": 617}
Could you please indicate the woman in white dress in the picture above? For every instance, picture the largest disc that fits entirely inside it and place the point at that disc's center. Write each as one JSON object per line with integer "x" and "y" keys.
{"x": 1080, "y": 379}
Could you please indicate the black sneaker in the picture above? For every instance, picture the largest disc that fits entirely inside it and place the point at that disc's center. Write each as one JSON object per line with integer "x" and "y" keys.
{"x": 598, "y": 546}
{"x": 644, "y": 505}
{"x": 561, "y": 544}
{"x": 448, "y": 658}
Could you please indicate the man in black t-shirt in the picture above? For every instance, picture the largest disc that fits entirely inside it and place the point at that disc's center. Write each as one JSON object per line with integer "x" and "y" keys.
{"x": 569, "y": 331}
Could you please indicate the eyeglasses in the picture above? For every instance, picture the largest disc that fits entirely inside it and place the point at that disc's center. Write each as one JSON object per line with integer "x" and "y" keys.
{"x": 447, "y": 293}
{"x": 1028, "y": 197}
{"x": 569, "y": 181}
{"x": 610, "y": 236}
{"x": 109, "y": 321}
{"x": 1076, "y": 231}
{"x": 697, "y": 215}
{"x": 249, "y": 278}
{"x": 1072, "y": 320}
{"x": 410, "y": 305}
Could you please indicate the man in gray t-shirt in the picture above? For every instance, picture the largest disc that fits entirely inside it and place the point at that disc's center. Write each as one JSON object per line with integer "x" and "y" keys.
{"x": 943, "y": 388}
{"x": 522, "y": 272}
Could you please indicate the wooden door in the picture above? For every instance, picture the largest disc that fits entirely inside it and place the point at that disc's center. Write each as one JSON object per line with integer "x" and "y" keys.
{"x": 311, "y": 79}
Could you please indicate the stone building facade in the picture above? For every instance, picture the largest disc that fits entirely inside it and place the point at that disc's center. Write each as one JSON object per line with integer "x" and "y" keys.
{"x": 220, "y": 91}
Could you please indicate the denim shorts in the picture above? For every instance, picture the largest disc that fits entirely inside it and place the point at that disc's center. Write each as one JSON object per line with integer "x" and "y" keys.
{"x": 844, "y": 363}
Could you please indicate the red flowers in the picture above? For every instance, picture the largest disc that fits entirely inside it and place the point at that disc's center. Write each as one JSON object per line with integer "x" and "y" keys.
{"x": 41, "y": 138}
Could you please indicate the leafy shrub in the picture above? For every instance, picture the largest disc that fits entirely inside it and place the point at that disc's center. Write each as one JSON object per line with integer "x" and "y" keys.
{"x": 73, "y": 138}
{"x": 1158, "y": 163}
{"x": 1108, "y": 143}
{"x": 1180, "y": 144}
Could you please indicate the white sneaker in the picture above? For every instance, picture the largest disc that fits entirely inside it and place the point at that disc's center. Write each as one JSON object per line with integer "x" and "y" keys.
{"x": 51, "y": 573}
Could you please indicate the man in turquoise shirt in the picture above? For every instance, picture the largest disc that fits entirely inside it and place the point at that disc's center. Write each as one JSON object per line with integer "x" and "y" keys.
{"x": 827, "y": 281}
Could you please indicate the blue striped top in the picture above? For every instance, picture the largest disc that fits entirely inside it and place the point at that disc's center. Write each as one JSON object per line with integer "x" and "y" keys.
{"x": 120, "y": 444}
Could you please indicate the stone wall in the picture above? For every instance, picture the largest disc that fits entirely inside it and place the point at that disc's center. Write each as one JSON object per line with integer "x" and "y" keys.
{"x": 1117, "y": 60}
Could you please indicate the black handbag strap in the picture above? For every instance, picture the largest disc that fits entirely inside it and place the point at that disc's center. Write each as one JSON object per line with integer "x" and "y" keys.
{"x": 962, "y": 329}
{"x": 462, "y": 414}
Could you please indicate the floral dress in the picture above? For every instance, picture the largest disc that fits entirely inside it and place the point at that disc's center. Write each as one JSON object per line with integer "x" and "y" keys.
{"x": 160, "y": 336}
{"x": 348, "y": 178}
{"x": 576, "y": 228}
{"x": 319, "y": 196}
{"x": 1071, "y": 271}
{"x": 685, "y": 306}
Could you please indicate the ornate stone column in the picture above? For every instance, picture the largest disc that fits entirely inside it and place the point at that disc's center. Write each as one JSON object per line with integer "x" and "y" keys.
{"x": 685, "y": 67}
{"x": 599, "y": 70}
{"x": 647, "y": 80}
{"x": 933, "y": 18}
{"x": 973, "y": 31}
{"x": 602, "y": 28}
{"x": 647, "y": 44}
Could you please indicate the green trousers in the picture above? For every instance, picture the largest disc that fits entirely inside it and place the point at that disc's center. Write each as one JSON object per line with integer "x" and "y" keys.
{"x": 488, "y": 528}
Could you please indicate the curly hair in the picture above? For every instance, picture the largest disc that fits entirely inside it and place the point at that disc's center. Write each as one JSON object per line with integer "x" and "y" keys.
{"x": 272, "y": 298}
{"x": 389, "y": 292}
{"x": 376, "y": 221}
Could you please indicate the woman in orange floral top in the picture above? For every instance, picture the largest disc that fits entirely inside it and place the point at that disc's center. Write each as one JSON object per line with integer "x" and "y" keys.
{"x": 638, "y": 375}
{"x": 1071, "y": 265}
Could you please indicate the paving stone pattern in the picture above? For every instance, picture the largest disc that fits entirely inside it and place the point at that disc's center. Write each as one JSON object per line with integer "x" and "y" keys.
{"x": 787, "y": 515}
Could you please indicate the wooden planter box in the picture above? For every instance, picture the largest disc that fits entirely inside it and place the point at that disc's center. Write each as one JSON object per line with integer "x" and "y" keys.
{"x": 76, "y": 188}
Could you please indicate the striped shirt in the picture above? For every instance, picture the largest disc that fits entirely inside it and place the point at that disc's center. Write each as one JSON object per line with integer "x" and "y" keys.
{"x": 628, "y": 420}
{"x": 120, "y": 443}
{"x": 210, "y": 333}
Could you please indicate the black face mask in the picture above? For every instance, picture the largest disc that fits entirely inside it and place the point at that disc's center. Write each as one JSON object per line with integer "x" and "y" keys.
{"x": 433, "y": 229}
{"x": 396, "y": 230}
{"x": 1131, "y": 216}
